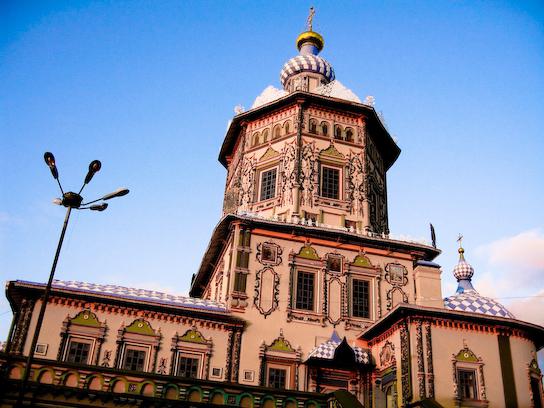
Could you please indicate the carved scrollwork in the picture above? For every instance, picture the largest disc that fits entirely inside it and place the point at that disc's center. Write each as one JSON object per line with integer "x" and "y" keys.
{"x": 288, "y": 174}
{"x": 356, "y": 184}
{"x": 267, "y": 289}
{"x": 309, "y": 172}
{"x": 247, "y": 183}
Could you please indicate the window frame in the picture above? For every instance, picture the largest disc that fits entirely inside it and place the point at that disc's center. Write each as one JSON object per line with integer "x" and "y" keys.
{"x": 198, "y": 357}
{"x": 338, "y": 169}
{"x": 314, "y": 290}
{"x": 278, "y": 367}
{"x": 136, "y": 347}
{"x": 91, "y": 341}
{"x": 473, "y": 384}
{"x": 352, "y": 297}
{"x": 262, "y": 172}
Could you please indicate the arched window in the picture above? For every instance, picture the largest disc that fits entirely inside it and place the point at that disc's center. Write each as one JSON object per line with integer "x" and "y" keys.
{"x": 287, "y": 127}
{"x": 255, "y": 140}
{"x": 313, "y": 126}
{"x": 324, "y": 129}
{"x": 277, "y": 132}
{"x": 265, "y": 136}
{"x": 349, "y": 135}
{"x": 338, "y": 132}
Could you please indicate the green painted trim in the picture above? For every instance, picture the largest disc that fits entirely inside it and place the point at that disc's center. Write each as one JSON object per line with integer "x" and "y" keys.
{"x": 280, "y": 344}
{"x": 308, "y": 252}
{"x": 193, "y": 336}
{"x": 140, "y": 326}
{"x": 466, "y": 355}
{"x": 86, "y": 318}
{"x": 363, "y": 261}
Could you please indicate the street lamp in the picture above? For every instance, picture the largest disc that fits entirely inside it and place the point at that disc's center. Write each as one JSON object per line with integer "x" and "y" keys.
{"x": 70, "y": 200}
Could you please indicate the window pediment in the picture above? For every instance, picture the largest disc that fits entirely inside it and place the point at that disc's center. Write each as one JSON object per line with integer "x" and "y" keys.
{"x": 140, "y": 326}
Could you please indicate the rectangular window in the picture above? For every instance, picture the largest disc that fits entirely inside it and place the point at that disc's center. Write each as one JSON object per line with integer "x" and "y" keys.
{"x": 276, "y": 378}
{"x": 268, "y": 184}
{"x": 78, "y": 352}
{"x": 188, "y": 367}
{"x": 240, "y": 282}
{"x": 330, "y": 183}
{"x": 134, "y": 359}
{"x": 360, "y": 295}
{"x": 467, "y": 384}
{"x": 242, "y": 259}
{"x": 305, "y": 291}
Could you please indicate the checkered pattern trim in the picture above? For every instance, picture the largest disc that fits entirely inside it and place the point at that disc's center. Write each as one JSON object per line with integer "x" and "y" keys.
{"x": 308, "y": 63}
{"x": 463, "y": 270}
{"x": 326, "y": 351}
{"x": 473, "y": 302}
{"x": 150, "y": 296}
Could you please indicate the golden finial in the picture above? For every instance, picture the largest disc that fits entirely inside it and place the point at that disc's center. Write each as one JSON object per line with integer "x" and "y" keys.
{"x": 310, "y": 18}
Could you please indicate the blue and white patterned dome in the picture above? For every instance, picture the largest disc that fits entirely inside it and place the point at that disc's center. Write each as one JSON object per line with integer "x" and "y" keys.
{"x": 467, "y": 299}
{"x": 309, "y": 44}
{"x": 463, "y": 270}
{"x": 306, "y": 63}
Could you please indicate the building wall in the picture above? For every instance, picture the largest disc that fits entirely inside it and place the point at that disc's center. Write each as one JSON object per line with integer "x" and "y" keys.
{"x": 57, "y": 314}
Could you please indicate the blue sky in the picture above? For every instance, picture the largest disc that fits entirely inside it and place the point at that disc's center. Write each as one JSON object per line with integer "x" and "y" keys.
{"x": 148, "y": 88}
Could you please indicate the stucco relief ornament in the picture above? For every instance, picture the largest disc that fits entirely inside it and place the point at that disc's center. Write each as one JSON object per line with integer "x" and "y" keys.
{"x": 308, "y": 173}
{"x": 387, "y": 354}
{"x": 247, "y": 183}
{"x": 107, "y": 359}
{"x": 162, "y": 367}
{"x": 288, "y": 174}
{"x": 356, "y": 186}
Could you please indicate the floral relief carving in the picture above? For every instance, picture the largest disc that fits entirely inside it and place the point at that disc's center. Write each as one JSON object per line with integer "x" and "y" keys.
{"x": 288, "y": 174}
{"x": 309, "y": 172}
{"x": 247, "y": 183}
{"x": 356, "y": 184}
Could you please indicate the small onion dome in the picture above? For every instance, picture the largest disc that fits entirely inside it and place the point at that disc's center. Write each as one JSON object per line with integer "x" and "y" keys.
{"x": 309, "y": 44}
{"x": 306, "y": 63}
{"x": 463, "y": 270}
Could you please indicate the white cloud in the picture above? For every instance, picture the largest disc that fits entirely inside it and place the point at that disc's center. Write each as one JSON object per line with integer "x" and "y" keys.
{"x": 529, "y": 309}
{"x": 518, "y": 260}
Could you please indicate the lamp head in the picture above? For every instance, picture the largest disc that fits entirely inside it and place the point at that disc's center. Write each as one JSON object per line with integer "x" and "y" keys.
{"x": 50, "y": 161}
{"x": 117, "y": 193}
{"x": 99, "y": 207}
{"x": 94, "y": 167}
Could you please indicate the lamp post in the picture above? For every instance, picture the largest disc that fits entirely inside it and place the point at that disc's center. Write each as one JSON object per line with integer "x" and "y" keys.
{"x": 70, "y": 200}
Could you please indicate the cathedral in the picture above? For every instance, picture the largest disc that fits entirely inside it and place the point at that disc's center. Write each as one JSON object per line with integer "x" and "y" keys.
{"x": 303, "y": 298}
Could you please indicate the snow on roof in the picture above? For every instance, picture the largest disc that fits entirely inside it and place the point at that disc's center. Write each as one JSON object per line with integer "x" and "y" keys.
{"x": 122, "y": 292}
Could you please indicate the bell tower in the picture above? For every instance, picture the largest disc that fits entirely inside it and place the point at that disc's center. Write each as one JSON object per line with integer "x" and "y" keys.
{"x": 311, "y": 153}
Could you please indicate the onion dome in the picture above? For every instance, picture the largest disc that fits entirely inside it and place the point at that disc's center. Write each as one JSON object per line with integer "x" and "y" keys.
{"x": 467, "y": 299}
{"x": 309, "y": 44}
{"x": 463, "y": 270}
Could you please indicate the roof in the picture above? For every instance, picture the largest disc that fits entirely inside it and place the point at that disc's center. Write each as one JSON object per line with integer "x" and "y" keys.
{"x": 472, "y": 301}
{"x": 327, "y": 349}
{"x": 123, "y": 293}
{"x": 221, "y": 232}
{"x": 404, "y": 310}
{"x": 381, "y": 137}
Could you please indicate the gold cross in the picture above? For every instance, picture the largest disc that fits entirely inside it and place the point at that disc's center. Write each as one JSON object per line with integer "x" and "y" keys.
{"x": 310, "y": 18}
{"x": 460, "y": 239}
